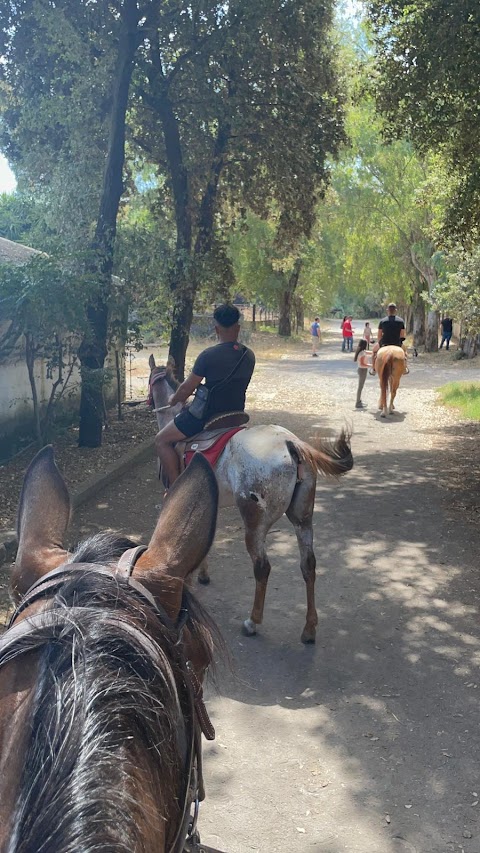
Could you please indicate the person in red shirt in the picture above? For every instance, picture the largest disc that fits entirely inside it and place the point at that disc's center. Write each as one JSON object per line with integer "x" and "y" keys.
{"x": 347, "y": 331}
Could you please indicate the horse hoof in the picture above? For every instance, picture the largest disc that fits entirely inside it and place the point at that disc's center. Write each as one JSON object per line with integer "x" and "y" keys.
{"x": 308, "y": 638}
{"x": 204, "y": 580}
{"x": 249, "y": 629}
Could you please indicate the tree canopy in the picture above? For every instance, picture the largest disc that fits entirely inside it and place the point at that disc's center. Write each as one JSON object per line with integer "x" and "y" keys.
{"x": 427, "y": 84}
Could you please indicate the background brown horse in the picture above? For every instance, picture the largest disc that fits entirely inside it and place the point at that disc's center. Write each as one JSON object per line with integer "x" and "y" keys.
{"x": 390, "y": 367}
{"x": 95, "y": 711}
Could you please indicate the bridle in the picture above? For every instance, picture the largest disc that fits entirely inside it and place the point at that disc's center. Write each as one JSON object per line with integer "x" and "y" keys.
{"x": 186, "y": 837}
{"x": 157, "y": 377}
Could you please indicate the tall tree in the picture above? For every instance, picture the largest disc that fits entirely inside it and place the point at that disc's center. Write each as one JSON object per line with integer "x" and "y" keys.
{"x": 427, "y": 85}
{"x": 66, "y": 77}
{"x": 236, "y": 101}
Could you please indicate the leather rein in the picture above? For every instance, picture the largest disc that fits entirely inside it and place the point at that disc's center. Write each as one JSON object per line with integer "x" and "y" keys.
{"x": 186, "y": 837}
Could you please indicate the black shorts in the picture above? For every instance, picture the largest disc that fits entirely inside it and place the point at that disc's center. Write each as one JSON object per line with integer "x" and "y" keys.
{"x": 187, "y": 424}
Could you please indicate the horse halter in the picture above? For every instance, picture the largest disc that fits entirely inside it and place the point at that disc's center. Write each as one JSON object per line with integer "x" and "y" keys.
{"x": 186, "y": 837}
{"x": 158, "y": 377}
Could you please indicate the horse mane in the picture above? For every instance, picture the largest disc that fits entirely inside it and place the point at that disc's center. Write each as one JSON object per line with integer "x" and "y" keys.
{"x": 106, "y": 721}
{"x": 171, "y": 377}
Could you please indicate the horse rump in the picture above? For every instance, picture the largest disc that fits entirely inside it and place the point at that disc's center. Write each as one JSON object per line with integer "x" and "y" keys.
{"x": 331, "y": 458}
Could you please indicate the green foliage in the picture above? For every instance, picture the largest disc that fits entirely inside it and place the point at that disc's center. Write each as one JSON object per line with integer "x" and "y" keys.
{"x": 43, "y": 300}
{"x": 56, "y": 66}
{"x": 427, "y": 84}
{"x": 458, "y": 290}
{"x": 464, "y": 396}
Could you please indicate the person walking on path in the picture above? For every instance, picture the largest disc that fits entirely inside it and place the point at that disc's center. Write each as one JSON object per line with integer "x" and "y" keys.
{"x": 347, "y": 331}
{"x": 315, "y": 330}
{"x": 447, "y": 331}
{"x": 364, "y": 362}
{"x": 367, "y": 334}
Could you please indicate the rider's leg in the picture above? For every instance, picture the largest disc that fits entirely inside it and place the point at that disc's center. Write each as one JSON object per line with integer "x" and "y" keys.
{"x": 165, "y": 449}
{"x": 375, "y": 349}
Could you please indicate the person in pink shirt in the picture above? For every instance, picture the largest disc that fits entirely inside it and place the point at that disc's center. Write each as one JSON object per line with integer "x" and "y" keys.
{"x": 364, "y": 362}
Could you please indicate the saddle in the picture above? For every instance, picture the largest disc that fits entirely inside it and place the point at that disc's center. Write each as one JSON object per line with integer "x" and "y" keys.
{"x": 215, "y": 435}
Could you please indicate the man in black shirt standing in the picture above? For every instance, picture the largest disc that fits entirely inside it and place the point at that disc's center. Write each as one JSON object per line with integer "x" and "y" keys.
{"x": 229, "y": 361}
{"x": 391, "y": 331}
{"x": 447, "y": 331}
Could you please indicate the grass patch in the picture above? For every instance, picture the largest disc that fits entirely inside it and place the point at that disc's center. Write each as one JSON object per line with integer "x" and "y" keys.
{"x": 464, "y": 396}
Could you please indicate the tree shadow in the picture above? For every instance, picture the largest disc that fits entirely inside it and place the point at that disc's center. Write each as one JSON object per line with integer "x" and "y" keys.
{"x": 382, "y": 713}
{"x": 389, "y": 693}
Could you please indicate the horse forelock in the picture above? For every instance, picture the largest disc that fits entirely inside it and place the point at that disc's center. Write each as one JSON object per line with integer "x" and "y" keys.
{"x": 106, "y": 727}
{"x": 167, "y": 373}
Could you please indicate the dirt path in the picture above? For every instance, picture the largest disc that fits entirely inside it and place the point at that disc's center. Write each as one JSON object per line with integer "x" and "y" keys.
{"x": 368, "y": 741}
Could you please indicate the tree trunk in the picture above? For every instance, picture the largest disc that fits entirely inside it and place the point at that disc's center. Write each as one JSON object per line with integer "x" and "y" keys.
{"x": 431, "y": 332}
{"x": 181, "y": 323}
{"x": 418, "y": 310}
{"x": 470, "y": 346}
{"x": 299, "y": 314}
{"x": 284, "y": 320}
{"x": 286, "y": 300}
{"x": 93, "y": 349}
{"x": 428, "y": 273}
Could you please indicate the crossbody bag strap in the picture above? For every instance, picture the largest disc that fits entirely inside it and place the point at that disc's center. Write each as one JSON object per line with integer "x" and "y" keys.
{"x": 232, "y": 372}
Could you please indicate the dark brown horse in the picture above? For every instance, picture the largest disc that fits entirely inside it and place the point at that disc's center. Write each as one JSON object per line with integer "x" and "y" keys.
{"x": 100, "y": 673}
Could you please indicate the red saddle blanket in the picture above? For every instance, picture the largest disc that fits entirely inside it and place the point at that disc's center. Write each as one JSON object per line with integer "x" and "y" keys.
{"x": 213, "y": 452}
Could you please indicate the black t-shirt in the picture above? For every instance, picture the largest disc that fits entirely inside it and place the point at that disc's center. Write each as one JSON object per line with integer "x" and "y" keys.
{"x": 391, "y": 327}
{"x": 215, "y": 364}
{"x": 447, "y": 326}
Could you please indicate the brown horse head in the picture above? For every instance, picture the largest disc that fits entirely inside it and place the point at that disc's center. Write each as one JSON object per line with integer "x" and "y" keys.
{"x": 181, "y": 539}
{"x": 94, "y": 705}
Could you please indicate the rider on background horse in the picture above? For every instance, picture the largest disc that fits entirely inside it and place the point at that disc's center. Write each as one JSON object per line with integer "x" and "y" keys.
{"x": 391, "y": 332}
{"x": 226, "y": 370}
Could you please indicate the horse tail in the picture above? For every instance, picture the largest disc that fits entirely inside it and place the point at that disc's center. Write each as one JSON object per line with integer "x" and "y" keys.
{"x": 386, "y": 373}
{"x": 331, "y": 458}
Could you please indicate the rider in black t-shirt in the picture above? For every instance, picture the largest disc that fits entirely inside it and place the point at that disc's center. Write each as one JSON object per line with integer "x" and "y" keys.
{"x": 214, "y": 365}
{"x": 391, "y": 332}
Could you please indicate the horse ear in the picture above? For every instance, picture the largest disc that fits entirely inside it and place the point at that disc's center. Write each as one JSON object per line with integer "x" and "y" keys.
{"x": 186, "y": 527}
{"x": 151, "y": 361}
{"x": 42, "y": 522}
{"x": 171, "y": 361}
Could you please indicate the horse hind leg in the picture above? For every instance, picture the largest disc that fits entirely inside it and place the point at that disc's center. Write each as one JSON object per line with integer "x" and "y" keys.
{"x": 257, "y": 526}
{"x": 300, "y": 514}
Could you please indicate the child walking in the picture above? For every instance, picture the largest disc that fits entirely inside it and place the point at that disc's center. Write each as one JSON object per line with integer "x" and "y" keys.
{"x": 364, "y": 361}
{"x": 367, "y": 334}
